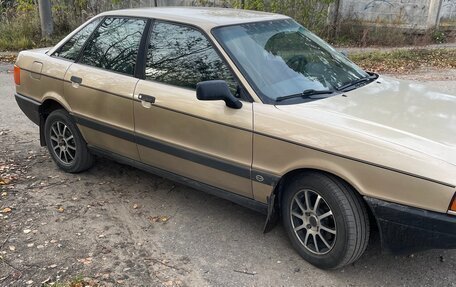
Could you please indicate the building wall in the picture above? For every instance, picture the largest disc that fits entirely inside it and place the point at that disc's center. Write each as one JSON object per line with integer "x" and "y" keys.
{"x": 413, "y": 14}
{"x": 447, "y": 15}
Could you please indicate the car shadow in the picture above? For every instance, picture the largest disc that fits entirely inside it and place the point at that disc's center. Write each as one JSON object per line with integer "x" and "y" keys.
{"x": 215, "y": 232}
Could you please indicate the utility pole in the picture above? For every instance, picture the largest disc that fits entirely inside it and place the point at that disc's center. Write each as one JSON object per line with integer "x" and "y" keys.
{"x": 47, "y": 25}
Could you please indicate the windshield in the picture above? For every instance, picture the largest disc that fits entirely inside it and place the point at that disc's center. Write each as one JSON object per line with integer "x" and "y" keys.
{"x": 282, "y": 58}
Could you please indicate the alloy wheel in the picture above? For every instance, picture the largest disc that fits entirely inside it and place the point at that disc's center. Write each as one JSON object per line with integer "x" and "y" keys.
{"x": 313, "y": 222}
{"x": 62, "y": 142}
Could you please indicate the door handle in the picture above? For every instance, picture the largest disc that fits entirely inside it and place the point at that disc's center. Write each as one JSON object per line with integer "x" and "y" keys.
{"x": 146, "y": 98}
{"x": 76, "y": 80}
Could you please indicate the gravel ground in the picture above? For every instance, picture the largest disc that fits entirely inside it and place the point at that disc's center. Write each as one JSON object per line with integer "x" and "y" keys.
{"x": 119, "y": 226}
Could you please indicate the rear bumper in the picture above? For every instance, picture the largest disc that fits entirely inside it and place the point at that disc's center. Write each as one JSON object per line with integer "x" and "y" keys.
{"x": 30, "y": 107}
{"x": 405, "y": 229}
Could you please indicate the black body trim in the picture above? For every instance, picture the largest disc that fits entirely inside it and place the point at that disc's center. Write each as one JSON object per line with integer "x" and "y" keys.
{"x": 141, "y": 60}
{"x": 239, "y": 199}
{"x": 194, "y": 156}
{"x": 405, "y": 229}
{"x": 119, "y": 133}
{"x": 30, "y": 107}
{"x": 126, "y": 135}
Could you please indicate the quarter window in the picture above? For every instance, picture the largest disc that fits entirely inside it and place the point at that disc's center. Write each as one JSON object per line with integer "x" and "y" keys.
{"x": 71, "y": 49}
{"x": 182, "y": 56}
{"x": 115, "y": 45}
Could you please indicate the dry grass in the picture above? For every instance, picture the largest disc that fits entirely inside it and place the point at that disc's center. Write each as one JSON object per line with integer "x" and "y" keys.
{"x": 405, "y": 61}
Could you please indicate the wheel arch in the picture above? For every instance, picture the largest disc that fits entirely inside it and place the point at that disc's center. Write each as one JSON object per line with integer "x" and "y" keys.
{"x": 48, "y": 106}
{"x": 285, "y": 179}
{"x": 275, "y": 200}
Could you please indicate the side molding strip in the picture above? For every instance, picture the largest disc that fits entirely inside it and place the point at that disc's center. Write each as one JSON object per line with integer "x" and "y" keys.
{"x": 194, "y": 156}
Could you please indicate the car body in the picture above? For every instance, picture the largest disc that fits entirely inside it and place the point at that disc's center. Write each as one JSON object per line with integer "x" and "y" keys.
{"x": 385, "y": 147}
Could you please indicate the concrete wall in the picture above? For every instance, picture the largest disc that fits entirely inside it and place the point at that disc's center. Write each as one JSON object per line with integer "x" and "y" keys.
{"x": 412, "y": 14}
{"x": 447, "y": 16}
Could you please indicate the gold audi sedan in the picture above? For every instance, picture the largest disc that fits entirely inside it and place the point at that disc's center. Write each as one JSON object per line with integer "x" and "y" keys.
{"x": 254, "y": 108}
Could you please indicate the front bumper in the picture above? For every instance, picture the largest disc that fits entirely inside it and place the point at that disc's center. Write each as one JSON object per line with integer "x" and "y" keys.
{"x": 405, "y": 229}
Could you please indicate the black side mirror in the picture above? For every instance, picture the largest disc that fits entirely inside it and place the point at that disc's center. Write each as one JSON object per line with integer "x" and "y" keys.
{"x": 216, "y": 90}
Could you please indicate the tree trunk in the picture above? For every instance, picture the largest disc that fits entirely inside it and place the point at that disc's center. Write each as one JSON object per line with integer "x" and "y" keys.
{"x": 47, "y": 25}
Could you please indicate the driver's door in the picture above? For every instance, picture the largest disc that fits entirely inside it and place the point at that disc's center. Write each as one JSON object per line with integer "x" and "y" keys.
{"x": 201, "y": 140}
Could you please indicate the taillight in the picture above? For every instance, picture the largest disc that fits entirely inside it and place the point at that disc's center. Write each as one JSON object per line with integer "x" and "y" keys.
{"x": 453, "y": 204}
{"x": 17, "y": 75}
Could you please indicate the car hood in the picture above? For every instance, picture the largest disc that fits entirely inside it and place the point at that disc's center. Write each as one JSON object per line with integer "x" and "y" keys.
{"x": 400, "y": 112}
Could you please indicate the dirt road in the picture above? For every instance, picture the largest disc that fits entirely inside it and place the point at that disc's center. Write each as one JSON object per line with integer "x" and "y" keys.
{"x": 120, "y": 226}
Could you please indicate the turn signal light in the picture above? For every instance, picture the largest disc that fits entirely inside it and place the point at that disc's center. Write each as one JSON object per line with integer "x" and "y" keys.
{"x": 17, "y": 75}
{"x": 453, "y": 204}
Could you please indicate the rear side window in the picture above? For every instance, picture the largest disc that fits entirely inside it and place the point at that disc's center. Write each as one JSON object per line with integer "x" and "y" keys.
{"x": 114, "y": 45}
{"x": 71, "y": 49}
{"x": 182, "y": 56}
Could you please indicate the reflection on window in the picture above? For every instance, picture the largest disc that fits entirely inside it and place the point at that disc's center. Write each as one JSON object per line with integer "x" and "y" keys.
{"x": 70, "y": 50}
{"x": 182, "y": 56}
{"x": 115, "y": 45}
{"x": 282, "y": 58}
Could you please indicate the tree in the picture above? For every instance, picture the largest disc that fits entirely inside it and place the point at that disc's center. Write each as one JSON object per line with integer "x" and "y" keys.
{"x": 47, "y": 25}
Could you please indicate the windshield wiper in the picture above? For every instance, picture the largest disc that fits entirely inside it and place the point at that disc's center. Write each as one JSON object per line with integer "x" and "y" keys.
{"x": 369, "y": 78}
{"x": 305, "y": 94}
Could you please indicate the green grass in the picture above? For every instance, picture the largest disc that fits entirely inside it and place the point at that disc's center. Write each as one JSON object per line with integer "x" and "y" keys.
{"x": 75, "y": 282}
{"x": 24, "y": 32}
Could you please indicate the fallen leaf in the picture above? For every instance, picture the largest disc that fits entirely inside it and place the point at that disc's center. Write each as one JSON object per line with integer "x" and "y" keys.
{"x": 4, "y": 181}
{"x": 85, "y": 261}
{"x": 6, "y": 210}
{"x": 159, "y": 218}
{"x": 60, "y": 209}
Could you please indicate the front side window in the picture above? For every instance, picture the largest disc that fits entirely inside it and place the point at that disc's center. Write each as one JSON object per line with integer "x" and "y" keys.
{"x": 71, "y": 49}
{"x": 115, "y": 45}
{"x": 281, "y": 58}
{"x": 182, "y": 56}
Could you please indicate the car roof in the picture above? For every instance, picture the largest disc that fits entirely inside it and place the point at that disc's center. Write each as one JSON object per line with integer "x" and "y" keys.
{"x": 204, "y": 17}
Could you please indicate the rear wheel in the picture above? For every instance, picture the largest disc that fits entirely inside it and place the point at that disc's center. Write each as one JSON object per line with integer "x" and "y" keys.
{"x": 65, "y": 143}
{"x": 325, "y": 219}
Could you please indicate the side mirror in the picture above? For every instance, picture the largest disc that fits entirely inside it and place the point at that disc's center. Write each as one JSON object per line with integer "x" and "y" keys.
{"x": 217, "y": 90}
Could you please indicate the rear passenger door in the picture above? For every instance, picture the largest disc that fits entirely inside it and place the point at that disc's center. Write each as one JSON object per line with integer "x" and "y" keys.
{"x": 202, "y": 140}
{"x": 99, "y": 86}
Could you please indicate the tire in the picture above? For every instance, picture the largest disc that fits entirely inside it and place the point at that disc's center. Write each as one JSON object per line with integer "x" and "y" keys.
{"x": 65, "y": 143}
{"x": 341, "y": 237}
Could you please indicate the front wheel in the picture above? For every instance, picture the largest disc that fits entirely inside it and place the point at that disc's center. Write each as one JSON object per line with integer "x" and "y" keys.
{"x": 65, "y": 143}
{"x": 325, "y": 219}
